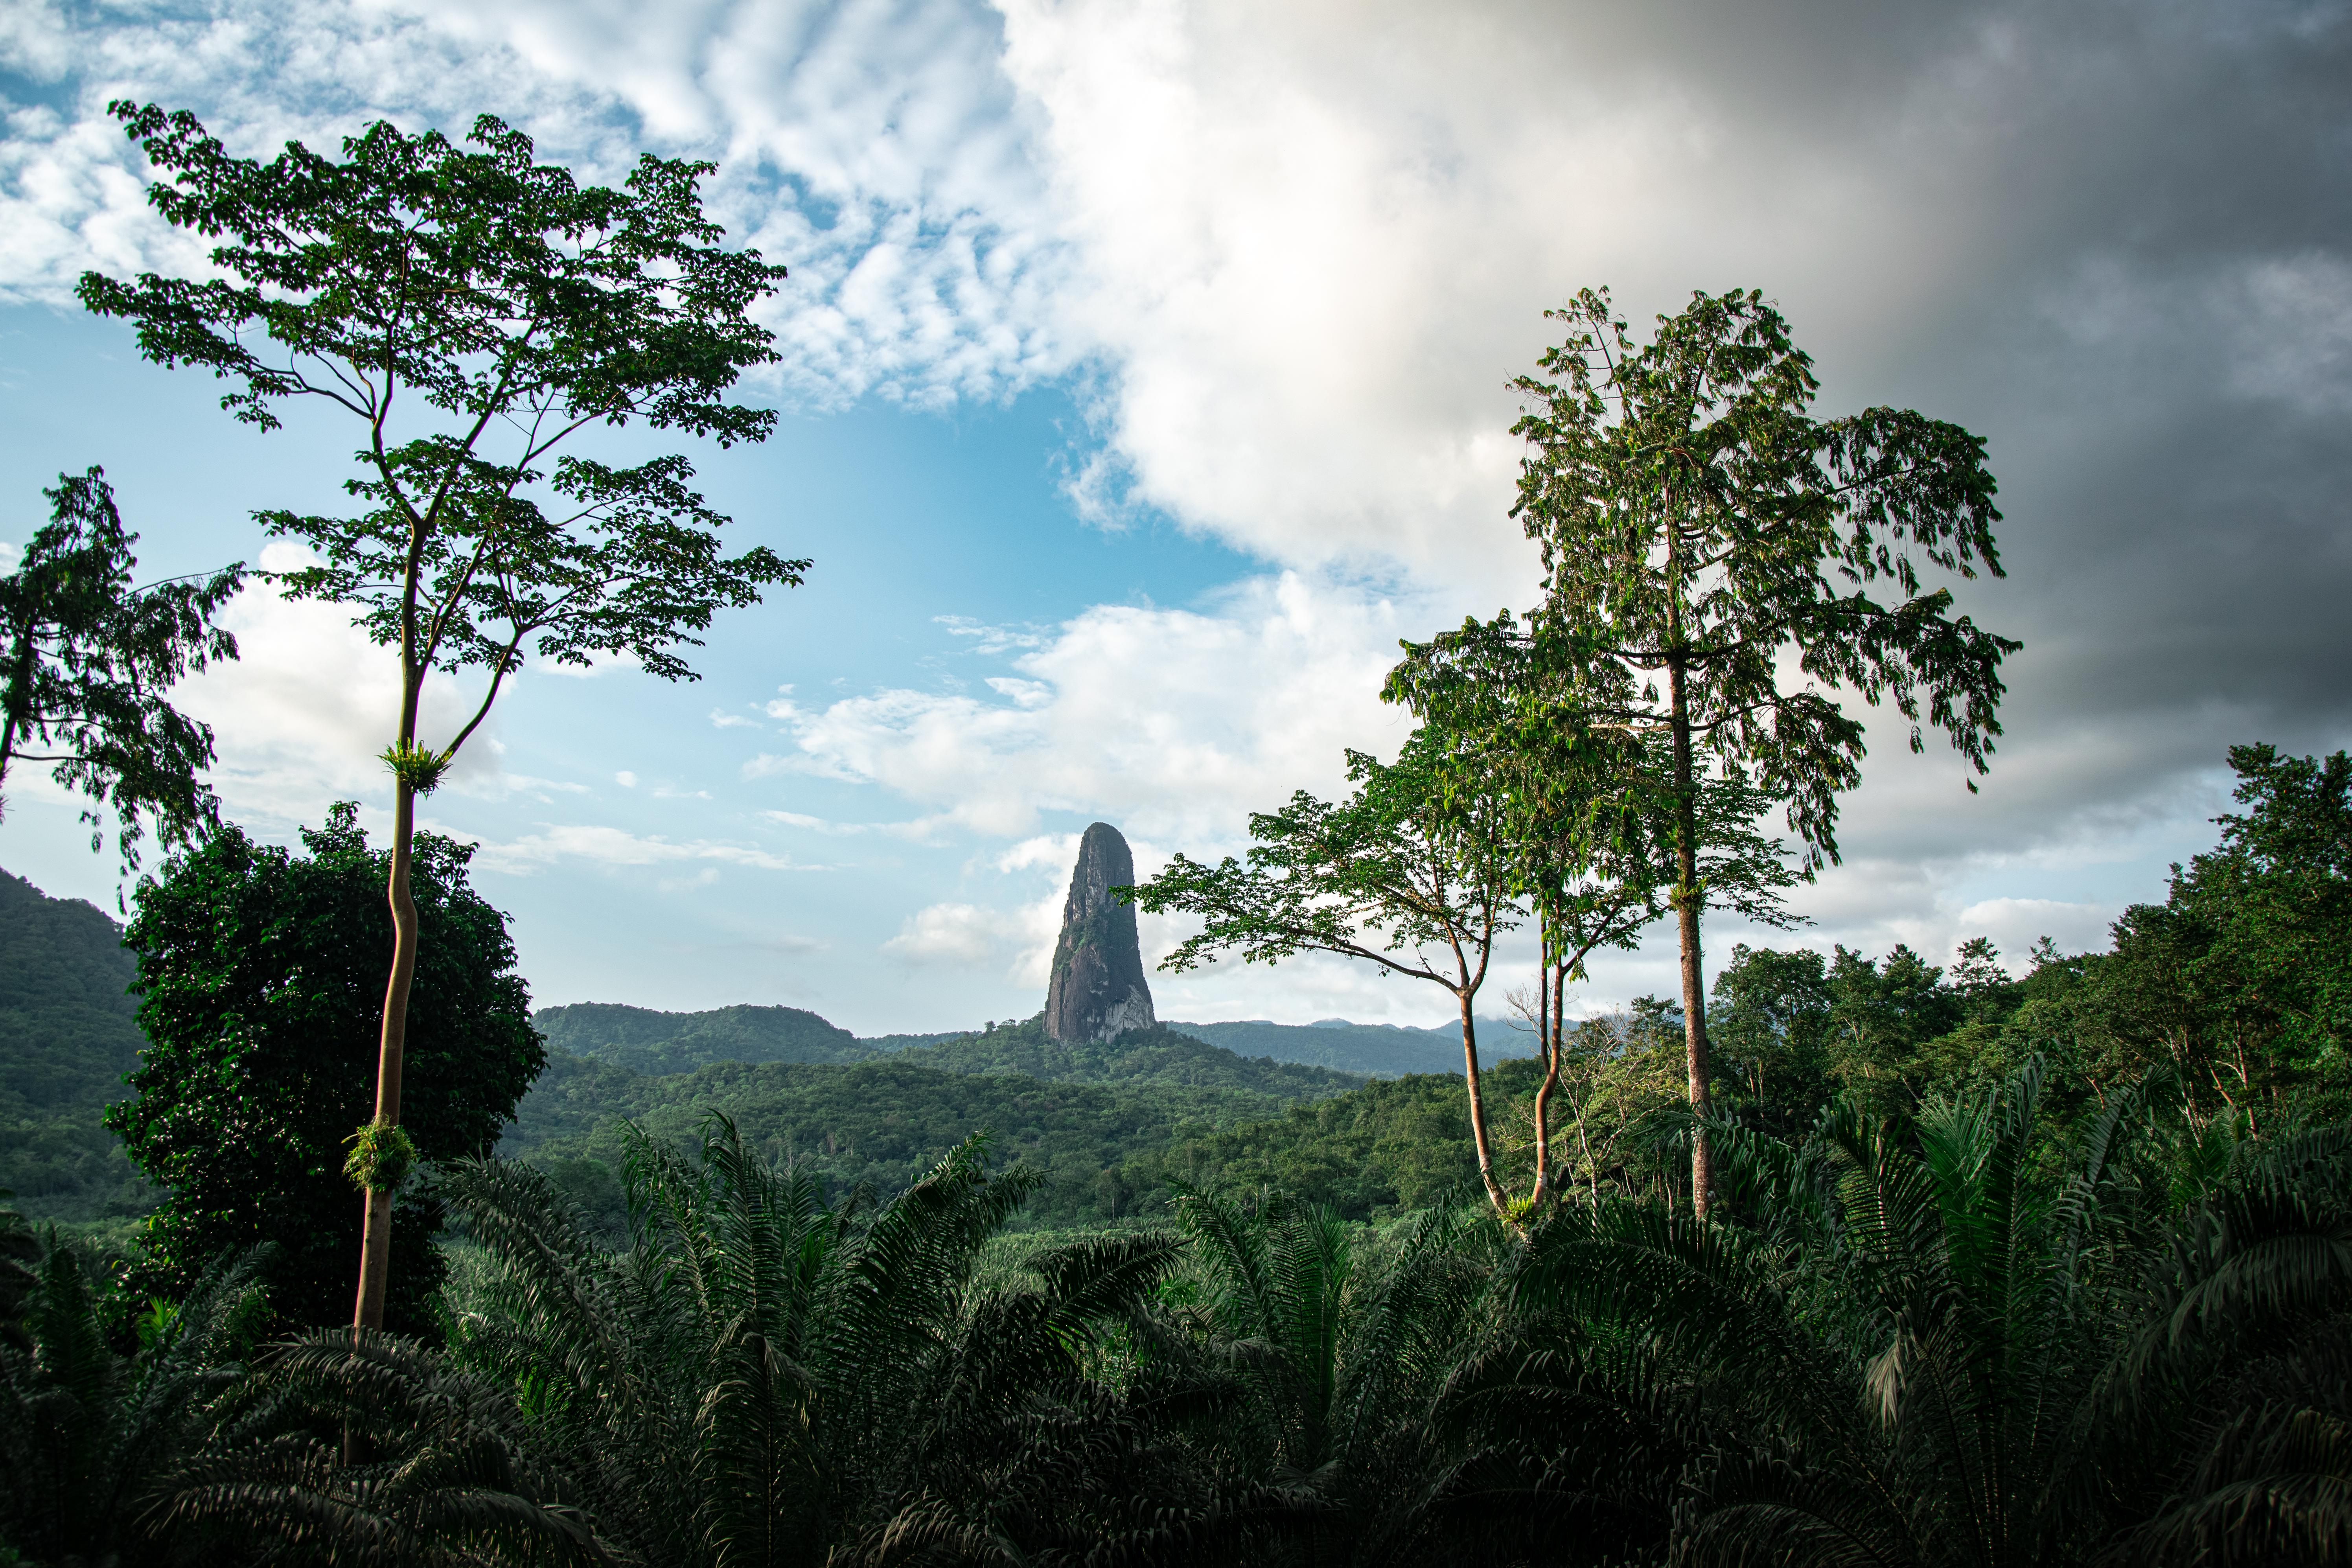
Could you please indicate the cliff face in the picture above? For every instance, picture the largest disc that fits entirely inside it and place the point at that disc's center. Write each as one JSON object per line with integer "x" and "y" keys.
{"x": 1098, "y": 989}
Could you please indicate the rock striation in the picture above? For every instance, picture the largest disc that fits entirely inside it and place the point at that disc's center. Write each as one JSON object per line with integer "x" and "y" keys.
{"x": 1098, "y": 990}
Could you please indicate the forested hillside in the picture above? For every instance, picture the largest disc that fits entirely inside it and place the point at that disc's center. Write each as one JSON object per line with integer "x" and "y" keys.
{"x": 67, "y": 1036}
{"x": 647, "y": 1041}
{"x": 879, "y": 1123}
{"x": 1379, "y": 1050}
{"x": 1160, "y": 1056}
{"x": 1077, "y": 1113}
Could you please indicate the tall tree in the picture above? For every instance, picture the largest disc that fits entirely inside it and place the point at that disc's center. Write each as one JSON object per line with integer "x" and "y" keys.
{"x": 1587, "y": 843}
{"x": 1403, "y": 874}
{"x": 1771, "y": 1029}
{"x": 258, "y": 969}
{"x": 1710, "y": 548}
{"x": 2242, "y": 979}
{"x": 88, "y": 658}
{"x": 472, "y": 311}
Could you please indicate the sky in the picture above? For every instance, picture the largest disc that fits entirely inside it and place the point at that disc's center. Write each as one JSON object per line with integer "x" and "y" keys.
{"x": 1143, "y": 381}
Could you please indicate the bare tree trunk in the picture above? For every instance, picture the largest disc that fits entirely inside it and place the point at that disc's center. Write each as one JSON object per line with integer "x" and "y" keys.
{"x": 1495, "y": 1194}
{"x": 1686, "y": 899}
{"x": 1548, "y": 1042}
{"x": 375, "y": 1243}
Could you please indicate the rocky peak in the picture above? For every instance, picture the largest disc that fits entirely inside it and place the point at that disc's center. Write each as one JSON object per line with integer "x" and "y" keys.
{"x": 1098, "y": 990}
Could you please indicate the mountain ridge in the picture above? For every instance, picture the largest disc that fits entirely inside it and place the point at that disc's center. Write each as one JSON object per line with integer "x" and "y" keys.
{"x": 68, "y": 1032}
{"x": 658, "y": 1043}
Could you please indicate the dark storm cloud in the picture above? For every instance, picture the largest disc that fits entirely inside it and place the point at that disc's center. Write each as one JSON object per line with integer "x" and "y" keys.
{"x": 2153, "y": 330}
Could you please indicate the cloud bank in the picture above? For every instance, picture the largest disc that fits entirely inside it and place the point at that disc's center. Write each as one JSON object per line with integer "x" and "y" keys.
{"x": 1288, "y": 256}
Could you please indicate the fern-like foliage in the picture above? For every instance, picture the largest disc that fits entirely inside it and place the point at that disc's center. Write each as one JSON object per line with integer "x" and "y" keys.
{"x": 762, "y": 1377}
{"x": 1969, "y": 1344}
{"x": 93, "y": 1442}
{"x": 1973, "y": 1339}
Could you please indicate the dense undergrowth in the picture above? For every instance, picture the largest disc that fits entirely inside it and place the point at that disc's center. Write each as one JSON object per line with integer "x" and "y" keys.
{"x": 1983, "y": 1333}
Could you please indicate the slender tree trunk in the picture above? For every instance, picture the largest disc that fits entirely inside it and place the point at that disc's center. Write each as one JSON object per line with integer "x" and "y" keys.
{"x": 375, "y": 1233}
{"x": 1495, "y": 1194}
{"x": 1548, "y": 1042}
{"x": 375, "y": 1243}
{"x": 1686, "y": 907}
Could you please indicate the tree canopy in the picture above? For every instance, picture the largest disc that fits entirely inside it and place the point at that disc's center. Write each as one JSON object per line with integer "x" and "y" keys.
{"x": 1404, "y": 874}
{"x": 257, "y": 975}
{"x": 472, "y": 311}
{"x": 1710, "y": 551}
{"x": 86, "y": 660}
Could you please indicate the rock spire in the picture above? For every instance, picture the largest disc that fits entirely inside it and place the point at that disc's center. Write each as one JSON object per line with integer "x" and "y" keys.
{"x": 1098, "y": 990}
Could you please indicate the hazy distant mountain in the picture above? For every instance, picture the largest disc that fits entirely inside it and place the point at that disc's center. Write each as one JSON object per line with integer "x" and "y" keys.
{"x": 656, "y": 1043}
{"x": 1382, "y": 1050}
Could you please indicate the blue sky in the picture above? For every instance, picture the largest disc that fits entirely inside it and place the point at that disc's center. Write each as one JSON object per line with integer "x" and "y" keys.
{"x": 1143, "y": 382}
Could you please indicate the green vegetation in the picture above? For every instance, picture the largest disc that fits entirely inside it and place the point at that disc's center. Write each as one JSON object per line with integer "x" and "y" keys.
{"x": 262, "y": 978}
{"x": 2055, "y": 1265}
{"x": 2235, "y": 990}
{"x": 66, "y": 1039}
{"x": 93, "y": 1429}
{"x": 1379, "y": 1050}
{"x": 655, "y": 1043}
{"x": 1873, "y": 1264}
{"x": 646, "y": 1041}
{"x": 1074, "y": 1115}
{"x": 469, "y": 312}
{"x": 1987, "y": 1332}
{"x": 85, "y": 659}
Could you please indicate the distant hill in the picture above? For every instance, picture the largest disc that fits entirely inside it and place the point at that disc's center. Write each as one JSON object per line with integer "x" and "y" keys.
{"x": 861, "y": 1112}
{"x": 1380, "y": 1050}
{"x": 882, "y": 1121}
{"x": 1105, "y": 1125}
{"x": 655, "y": 1044}
{"x": 1155, "y": 1056}
{"x": 1104, "y": 1149}
{"x": 908, "y": 1042}
{"x": 67, "y": 1035}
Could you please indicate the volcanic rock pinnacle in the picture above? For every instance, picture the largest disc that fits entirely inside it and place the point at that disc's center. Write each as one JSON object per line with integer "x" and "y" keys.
{"x": 1098, "y": 990}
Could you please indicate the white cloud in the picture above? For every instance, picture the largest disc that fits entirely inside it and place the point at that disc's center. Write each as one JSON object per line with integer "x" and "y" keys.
{"x": 303, "y": 713}
{"x": 2016, "y": 924}
{"x": 988, "y": 639}
{"x": 606, "y": 846}
{"x": 873, "y": 146}
{"x": 960, "y": 935}
{"x": 1316, "y": 241}
{"x": 626, "y": 779}
{"x": 310, "y": 701}
{"x": 36, "y": 40}
{"x": 1171, "y": 723}
{"x": 1055, "y": 850}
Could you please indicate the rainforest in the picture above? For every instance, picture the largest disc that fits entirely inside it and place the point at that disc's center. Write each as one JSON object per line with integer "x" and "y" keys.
{"x": 1797, "y": 1122}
